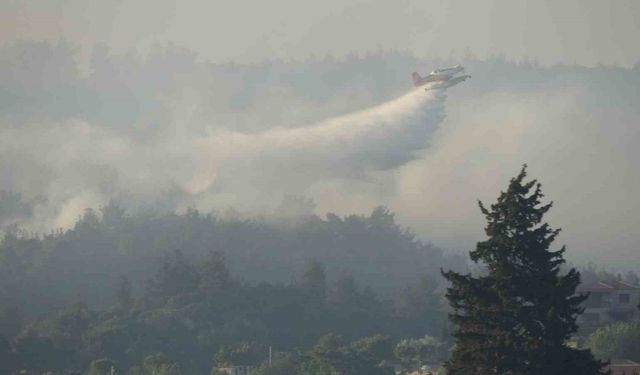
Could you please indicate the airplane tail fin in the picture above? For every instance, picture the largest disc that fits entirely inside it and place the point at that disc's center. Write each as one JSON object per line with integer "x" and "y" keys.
{"x": 416, "y": 78}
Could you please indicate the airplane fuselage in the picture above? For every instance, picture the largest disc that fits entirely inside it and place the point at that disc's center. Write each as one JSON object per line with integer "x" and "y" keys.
{"x": 448, "y": 83}
{"x": 440, "y": 78}
{"x": 438, "y": 75}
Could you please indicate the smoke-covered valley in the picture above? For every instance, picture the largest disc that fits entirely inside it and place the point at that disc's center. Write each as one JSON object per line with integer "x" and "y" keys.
{"x": 170, "y": 131}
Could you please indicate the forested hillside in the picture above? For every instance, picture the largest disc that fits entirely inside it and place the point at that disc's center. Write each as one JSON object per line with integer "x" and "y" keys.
{"x": 83, "y": 264}
{"x": 126, "y": 286}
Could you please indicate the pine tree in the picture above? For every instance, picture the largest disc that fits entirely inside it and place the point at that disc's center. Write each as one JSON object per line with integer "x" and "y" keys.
{"x": 314, "y": 280}
{"x": 215, "y": 274}
{"x": 124, "y": 293}
{"x": 517, "y": 317}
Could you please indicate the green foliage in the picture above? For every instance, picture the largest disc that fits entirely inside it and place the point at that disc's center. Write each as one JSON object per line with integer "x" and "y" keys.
{"x": 7, "y": 357}
{"x": 39, "y": 354}
{"x": 333, "y": 356}
{"x": 101, "y": 367}
{"x": 413, "y": 353}
{"x": 215, "y": 273}
{"x": 314, "y": 279}
{"x": 114, "y": 338}
{"x": 55, "y": 343}
{"x": 11, "y": 321}
{"x": 285, "y": 365}
{"x": 156, "y": 364}
{"x": 176, "y": 276}
{"x": 244, "y": 354}
{"x": 192, "y": 306}
{"x": 124, "y": 293}
{"x": 616, "y": 341}
{"x": 420, "y": 298}
{"x": 109, "y": 244}
{"x": 517, "y": 317}
{"x": 378, "y": 346}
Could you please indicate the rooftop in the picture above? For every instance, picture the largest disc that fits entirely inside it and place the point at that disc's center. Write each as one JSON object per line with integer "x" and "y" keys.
{"x": 607, "y": 286}
{"x": 624, "y": 366}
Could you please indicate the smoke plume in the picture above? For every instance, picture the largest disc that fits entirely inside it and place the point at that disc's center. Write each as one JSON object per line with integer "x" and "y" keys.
{"x": 73, "y": 162}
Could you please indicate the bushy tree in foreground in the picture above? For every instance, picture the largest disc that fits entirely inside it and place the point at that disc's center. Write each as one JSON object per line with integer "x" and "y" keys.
{"x": 332, "y": 356}
{"x": 620, "y": 340}
{"x": 103, "y": 366}
{"x": 517, "y": 318}
{"x": 413, "y": 353}
{"x": 285, "y": 365}
{"x": 156, "y": 364}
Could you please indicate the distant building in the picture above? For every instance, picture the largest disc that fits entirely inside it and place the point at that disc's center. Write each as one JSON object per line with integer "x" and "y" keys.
{"x": 236, "y": 370}
{"x": 609, "y": 302}
{"x": 624, "y": 367}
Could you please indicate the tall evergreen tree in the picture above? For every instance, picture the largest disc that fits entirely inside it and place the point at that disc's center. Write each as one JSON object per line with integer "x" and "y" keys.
{"x": 215, "y": 274}
{"x": 314, "y": 279}
{"x": 124, "y": 293}
{"x": 517, "y": 317}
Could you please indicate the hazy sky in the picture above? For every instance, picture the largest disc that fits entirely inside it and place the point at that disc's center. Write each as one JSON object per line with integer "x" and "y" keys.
{"x": 585, "y": 32}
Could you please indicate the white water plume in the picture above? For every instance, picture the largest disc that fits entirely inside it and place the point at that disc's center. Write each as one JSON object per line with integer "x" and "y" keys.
{"x": 78, "y": 164}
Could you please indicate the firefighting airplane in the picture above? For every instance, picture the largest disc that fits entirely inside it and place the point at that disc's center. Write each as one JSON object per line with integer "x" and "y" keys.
{"x": 440, "y": 78}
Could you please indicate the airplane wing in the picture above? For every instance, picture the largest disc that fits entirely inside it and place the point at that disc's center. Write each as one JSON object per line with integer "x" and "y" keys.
{"x": 455, "y": 69}
{"x": 437, "y": 76}
{"x": 447, "y": 84}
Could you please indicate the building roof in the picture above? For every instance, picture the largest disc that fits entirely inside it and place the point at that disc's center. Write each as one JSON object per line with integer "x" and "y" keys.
{"x": 624, "y": 366}
{"x": 607, "y": 286}
{"x": 624, "y": 362}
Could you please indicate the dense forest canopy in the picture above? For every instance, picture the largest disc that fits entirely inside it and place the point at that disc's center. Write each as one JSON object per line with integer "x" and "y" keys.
{"x": 125, "y": 287}
{"x": 149, "y": 292}
{"x": 84, "y": 264}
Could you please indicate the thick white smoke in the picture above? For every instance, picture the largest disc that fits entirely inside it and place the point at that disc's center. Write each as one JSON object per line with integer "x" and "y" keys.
{"x": 171, "y": 132}
{"x": 350, "y": 146}
{"x": 75, "y": 164}
{"x": 579, "y": 143}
